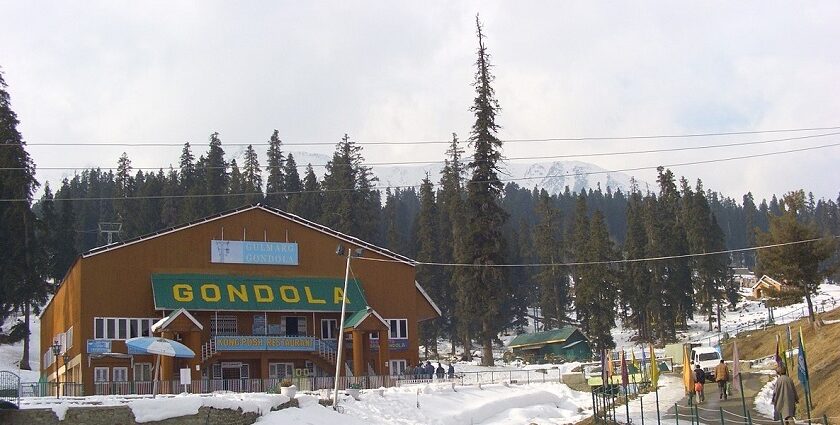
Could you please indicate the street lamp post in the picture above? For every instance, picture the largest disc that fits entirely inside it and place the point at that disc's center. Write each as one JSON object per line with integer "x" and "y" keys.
{"x": 56, "y": 350}
{"x": 339, "y": 355}
{"x": 66, "y": 358}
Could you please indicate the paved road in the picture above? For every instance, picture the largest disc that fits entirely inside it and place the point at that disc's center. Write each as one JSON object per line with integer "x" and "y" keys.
{"x": 709, "y": 410}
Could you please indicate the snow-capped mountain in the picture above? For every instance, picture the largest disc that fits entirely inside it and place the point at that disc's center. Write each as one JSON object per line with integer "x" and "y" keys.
{"x": 551, "y": 176}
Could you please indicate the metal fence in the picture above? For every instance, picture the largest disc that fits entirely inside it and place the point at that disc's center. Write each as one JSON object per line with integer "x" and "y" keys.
{"x": 311, "y": 383}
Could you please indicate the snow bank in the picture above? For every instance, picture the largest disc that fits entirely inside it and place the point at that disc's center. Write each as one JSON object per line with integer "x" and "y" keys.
{"x": 159, "y": 409}
{"x": 764, "y": 399}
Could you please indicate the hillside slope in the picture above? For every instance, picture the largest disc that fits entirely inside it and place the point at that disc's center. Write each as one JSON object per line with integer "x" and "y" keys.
{"x": 823, "y": 355}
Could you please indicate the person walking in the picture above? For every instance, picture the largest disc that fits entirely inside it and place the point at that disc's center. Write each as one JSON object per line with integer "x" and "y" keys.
{"x": 784, "y": 397}
{"x": 721, "y": 377}
{"x": 439, "y": 371}
{"x": 699, "y": 381}
{"x": 451, "y": 371}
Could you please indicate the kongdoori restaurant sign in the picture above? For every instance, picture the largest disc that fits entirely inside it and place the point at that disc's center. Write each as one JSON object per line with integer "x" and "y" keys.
{"x": 265, "y": 343}
{"x": 253, "y": 293}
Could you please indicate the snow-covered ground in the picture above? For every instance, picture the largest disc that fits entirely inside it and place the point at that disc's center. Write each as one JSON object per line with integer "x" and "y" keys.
{"x": 10, "y": 355}
{"x": 500, "y": 402}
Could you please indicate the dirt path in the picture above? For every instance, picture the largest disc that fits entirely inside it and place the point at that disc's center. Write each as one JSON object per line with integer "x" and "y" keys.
{"x": 733, "y": 410}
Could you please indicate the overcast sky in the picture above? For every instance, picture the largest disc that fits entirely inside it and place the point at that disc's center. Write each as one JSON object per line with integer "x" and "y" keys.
{"x": 401, "y": 71}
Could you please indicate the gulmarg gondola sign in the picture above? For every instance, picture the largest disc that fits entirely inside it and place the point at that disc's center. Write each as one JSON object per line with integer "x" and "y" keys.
{"x": 252, "y": 293}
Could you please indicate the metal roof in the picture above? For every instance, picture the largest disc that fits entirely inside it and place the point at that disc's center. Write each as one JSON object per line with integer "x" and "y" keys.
{"x": 545, "y": 337}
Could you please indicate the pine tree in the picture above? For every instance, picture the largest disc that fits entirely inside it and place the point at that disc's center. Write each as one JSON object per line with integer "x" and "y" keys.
{"x": 292, "y": 186}
{"x": 452, "y": 224}
{"x": 555, "y": 292}
{"x": 252, "y": 176}
{"x": 188, "y": 181}
{"x": 350, "y": 203}
{"x": 22, "y": 284}
{"x": 798, "y": 264}
{"x": 236, "y": 185}
{"x": 485, "y": 286}
{"x": 215, "y": 176}
{"x": 274, "y": 165}
{"x": 635, "y": 288}
{"x": 312, "y": 197}
{"x": 595, "y": 289}
{"x": 750, "y": 213}
{"x": 125, "y": 188}
{"x": 427, "y": 251}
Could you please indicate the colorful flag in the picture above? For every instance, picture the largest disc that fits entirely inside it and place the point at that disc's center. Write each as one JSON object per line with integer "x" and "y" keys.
{"x": 736, "y": 363}
{"x": 688, "y": 374}
{"x": 654, "y": 368}
{"x": 625, "y": 377}
{"x": 633, "y": 360}
{"x": 610, "y": 365}
{"x": 803, "y": 363}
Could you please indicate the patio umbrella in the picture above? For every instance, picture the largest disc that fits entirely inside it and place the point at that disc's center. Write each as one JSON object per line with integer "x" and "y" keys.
{"x": 159, "y": 347}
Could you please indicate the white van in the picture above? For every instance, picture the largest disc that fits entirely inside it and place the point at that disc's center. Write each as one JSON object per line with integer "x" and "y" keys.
{"x": 708, "y": 358}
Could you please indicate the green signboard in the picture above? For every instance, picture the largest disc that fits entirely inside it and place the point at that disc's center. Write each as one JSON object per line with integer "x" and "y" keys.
{"x": 253, "y": 293}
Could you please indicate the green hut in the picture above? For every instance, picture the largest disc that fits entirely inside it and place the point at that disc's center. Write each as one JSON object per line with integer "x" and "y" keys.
{"x": 567, "y": 343}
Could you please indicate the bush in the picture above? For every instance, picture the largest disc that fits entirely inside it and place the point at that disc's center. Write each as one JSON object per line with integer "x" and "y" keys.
{"x": 355, "y": 386}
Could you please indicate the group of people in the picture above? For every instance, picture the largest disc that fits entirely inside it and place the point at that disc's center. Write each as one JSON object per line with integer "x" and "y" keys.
{"x": 429, "y": 371}
{"x": 784, "y": 392}
{"x": 721, "y": 377}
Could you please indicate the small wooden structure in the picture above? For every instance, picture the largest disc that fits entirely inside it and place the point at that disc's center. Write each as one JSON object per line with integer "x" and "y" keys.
{"x": 567, "y": 343}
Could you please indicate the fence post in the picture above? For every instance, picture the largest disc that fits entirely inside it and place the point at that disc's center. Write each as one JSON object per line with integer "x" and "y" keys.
{"x": 696, "y": 414}
{"x": 677, "y": 413}
{"x": 825, "y": 419}
{"x": 641, "y": 407}
{"x": 721, "y": 416}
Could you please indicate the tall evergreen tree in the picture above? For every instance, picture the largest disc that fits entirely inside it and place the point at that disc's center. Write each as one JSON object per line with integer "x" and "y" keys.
{"x": 350, "y": 203}
{"x": 312, "y": 198}
{"x": 274, "y": 165}
{"x": 428, "y": 251}
{"x": 635, "y": 288}
{"x": 236, "y": 186}
{"x": 798, "y": 264}
{"x": 21, "y": 270}
{"x": 750, "y": 213}
{"x": 292, "y": 185}
{"x": 555, "y": 292}
{"x": 485, "y": 286}
{"x": 252, "y": 176}
{"x": 595, "y": 290}
{"x": 452, "y": 225}
{"x": 215, "y": 176}
{"x": 188, "y": 185}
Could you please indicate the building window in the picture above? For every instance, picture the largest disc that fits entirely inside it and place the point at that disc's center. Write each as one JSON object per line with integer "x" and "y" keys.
{"x": 142, "y": 372}
{"x": 293, "y": 326}
{"x": 121, "y": 374}
{"x": 118, "y": 328}
{"x": 397, "y": 367}
{"x": 280, "y": 370}
{"x": 259, "y": 326}
{"x": 329, "y": 328}
{"x": 69, "y": 338}
{"x": 100, "y": 374}
{"x": 224, "y": 325}
{"x": 397, "y": 329}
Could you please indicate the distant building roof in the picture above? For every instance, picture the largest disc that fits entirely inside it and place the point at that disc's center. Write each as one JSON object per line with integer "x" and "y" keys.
{"x": 545, "y": 337}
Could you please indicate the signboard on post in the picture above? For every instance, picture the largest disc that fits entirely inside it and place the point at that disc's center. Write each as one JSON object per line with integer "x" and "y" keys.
{"x": 98, "y": 346}
{"x": 251, "y": 252}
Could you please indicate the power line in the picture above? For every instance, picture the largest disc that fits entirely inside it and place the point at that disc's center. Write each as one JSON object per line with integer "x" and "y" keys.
{"x": 618, "y": 170}
{"x": 607, "y": 262}
{"x": 432, "y": 142}
{"x": 544, "y": 157}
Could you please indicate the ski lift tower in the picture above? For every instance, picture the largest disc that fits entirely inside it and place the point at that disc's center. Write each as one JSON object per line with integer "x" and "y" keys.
{"x": 110, "y": 229}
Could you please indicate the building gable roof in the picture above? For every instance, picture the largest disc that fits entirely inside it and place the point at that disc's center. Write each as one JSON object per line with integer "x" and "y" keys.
{"x": 545, "y": 337}
{"x": 166, "y": 321}
{"x": 359, "y": 317}
{"x": 767, "y": 281}
{"x": 291, "y": 217}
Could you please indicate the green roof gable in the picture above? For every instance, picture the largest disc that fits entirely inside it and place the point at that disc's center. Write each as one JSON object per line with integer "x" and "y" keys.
{"x": 554, "y": 335}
